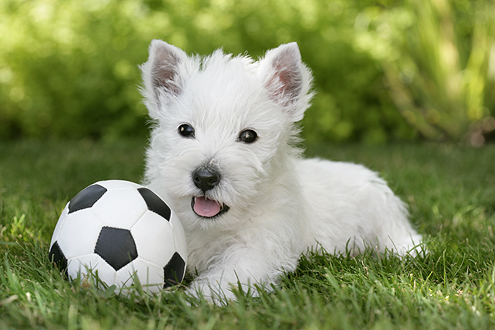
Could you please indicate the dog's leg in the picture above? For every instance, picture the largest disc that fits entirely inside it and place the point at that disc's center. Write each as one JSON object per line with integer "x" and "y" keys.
{"x": 246, "y": 267}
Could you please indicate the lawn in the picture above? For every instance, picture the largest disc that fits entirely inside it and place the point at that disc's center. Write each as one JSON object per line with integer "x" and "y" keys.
{"x": 450, "y": 191}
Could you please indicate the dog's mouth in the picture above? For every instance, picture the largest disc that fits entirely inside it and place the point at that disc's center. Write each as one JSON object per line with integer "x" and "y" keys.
{"x": 207, "y": 208}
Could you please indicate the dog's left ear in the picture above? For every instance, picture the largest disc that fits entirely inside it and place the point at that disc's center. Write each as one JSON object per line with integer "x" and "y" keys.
{"x": 287, "y": 79}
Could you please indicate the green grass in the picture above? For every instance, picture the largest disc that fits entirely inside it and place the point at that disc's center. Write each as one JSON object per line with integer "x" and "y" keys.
{"x": 450, "y": 190}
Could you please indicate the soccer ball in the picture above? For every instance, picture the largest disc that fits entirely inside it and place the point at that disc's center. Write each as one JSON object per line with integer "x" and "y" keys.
{"x": 119, "y": 230}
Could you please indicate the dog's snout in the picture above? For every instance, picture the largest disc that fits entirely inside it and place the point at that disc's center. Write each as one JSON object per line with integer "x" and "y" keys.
{"x": 205, "y": 178}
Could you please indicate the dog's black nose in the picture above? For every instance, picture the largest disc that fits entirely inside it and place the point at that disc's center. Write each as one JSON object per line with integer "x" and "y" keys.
{"x": 205, "y": 178}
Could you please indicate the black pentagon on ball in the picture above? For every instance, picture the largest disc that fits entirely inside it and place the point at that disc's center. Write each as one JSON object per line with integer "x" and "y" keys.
{"x": 57, "y": 257}
{"x": 86, "y": 198}
{"x": 155, "y": 203}
{"x": 116, "y": 246}
{"x": 174, "y": 271}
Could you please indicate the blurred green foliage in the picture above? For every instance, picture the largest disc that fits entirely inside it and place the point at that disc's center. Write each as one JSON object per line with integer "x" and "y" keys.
{"x": 438, "y": 57}
{"x": 70, "y": 68}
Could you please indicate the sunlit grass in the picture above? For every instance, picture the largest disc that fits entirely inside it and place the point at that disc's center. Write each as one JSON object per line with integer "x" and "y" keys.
{"x": 450, "y": 191}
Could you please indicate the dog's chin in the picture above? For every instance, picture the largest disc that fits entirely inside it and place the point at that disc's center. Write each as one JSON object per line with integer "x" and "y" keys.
{"x": 207, "y": 208}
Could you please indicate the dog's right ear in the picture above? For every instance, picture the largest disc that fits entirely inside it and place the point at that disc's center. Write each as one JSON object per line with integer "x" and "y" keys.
{"x": 160, "y": 73}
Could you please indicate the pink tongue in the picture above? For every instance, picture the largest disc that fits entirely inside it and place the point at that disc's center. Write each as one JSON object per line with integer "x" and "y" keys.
{"x": 206, "y": 207}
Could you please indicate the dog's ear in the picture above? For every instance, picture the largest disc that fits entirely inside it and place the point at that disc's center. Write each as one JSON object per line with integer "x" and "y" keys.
{"x": 160, "y": 73}
{"x": 287, "y": 79}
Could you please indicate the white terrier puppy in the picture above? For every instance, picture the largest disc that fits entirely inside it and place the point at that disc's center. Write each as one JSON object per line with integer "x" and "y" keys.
{"x": 223, "y": 153}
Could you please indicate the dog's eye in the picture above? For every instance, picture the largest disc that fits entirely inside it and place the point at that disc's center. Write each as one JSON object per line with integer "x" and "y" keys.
{"x": 248, "y": 136}
{"x": 186, "y": 130}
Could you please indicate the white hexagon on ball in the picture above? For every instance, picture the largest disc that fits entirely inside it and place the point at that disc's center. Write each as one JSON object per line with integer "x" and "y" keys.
{"x": 119, "y": 230}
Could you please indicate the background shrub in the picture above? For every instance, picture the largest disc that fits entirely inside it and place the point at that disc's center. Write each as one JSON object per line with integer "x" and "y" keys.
{"x": 438, "y": 58}
{"x": 70, "y": 68}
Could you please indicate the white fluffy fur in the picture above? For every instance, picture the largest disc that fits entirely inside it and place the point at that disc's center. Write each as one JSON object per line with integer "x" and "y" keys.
{"x": 280, "y": 205}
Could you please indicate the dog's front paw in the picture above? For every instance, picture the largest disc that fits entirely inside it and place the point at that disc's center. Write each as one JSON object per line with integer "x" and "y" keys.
{"x": 213, "y": 292}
